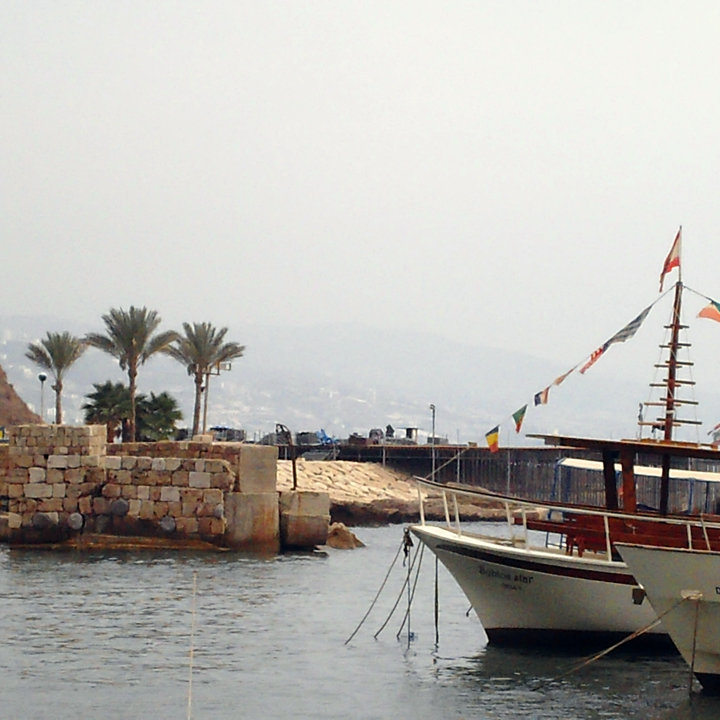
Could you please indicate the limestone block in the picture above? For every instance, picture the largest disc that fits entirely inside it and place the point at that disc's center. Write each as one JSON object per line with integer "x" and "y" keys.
{"x": 50, "y": 505}
{"x": 199, "y": 480}
{"x": 160, "y": 509}
{"x": 143, "y": 492}
{"x": 113, "y": 462}
{"x": 147, "y": 510}
{"x": 199, "y": 466}
{"x": 36, "y": 475}
{"x": 175, "y": 509}
{"x": 170, "y": 494}
{"x": 172, "y": 464}
{"x": 15, "y": 490}
{"x": 186, "y": 525}
{"x": 181, "y": 478}
{"x": 54, "y": 475}
{"x": 213, "y": 496}
{"x": 73, "y": 461}
{"x": 299, "y": 502}
{"x": 144, "y": 463}
{"x": 222, "y": 481}
{"x": 57, "y": 461}
{"x": 129, "y": 492}
{"x": 112, "y": 490}
{"x": 74, "y": 475}
{"x": 134, "y": 508}
{"x": 38, "y": 490}
{"x": 85, "y": 505}
{"x": 257, "y": 469}
{"x": 70, "y": 505}
{"x": 158, "y": 464}
{"x": 155, "y": 493}
{"x": 253, "y": 521}
{"x": 303, "y": 531}
{"x": 91, "y": 461}
{"x": 128, "y": 462}
{"x": 59, "y": 490}
{"x": 24, "y": 461}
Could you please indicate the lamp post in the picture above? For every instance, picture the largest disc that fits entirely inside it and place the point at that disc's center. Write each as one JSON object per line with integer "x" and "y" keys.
{"x": 214, "y": 370}
{"x": 432, "y": 410}
{"x": 42, "y": 377}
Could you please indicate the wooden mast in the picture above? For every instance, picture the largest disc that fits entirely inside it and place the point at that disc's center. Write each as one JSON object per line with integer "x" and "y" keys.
{"x": 675, "y": 328}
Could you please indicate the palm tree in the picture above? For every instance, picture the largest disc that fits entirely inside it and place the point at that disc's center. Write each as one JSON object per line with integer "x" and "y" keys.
{"x": 56, "y": 354}
{"x": 201, "y": 350}
{"x": 130, "y": 339}
{"x": 108, "y": 405}
{"x": 156, "y": 417}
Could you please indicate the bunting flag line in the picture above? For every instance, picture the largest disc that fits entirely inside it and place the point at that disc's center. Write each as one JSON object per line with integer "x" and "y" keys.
{"x": 493, "y": 438}
{"x": 630, "y": 329}
{"x": 711, "y": 312}
{"x": 541, "y": 398}
{"x": 673, "y": 258}
{"x": 518, "y": 416}
{"x": 593, "y": 359}
{"x": 561, "y": 379}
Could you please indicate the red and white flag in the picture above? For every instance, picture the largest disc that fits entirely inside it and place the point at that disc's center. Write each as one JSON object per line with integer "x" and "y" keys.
{"x": 673, "y": 258}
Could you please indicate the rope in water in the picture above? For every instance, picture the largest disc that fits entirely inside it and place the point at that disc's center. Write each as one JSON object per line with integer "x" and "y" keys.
{"x": 382, "y": 586}
{"x": 407, "y": 544}
{"x": 593, "y": 658}
{"x": 411, "y": 596}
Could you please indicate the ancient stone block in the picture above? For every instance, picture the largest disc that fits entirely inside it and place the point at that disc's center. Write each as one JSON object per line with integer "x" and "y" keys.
{"x": 158, "y": 463}
{"x": 257, "y": 469}
{"x": 85, "y": 505}
{"x": 160, "y": 509}
{"x": 59, "y": 490}
{"x": 172, "y": 464}
{"x": 112, "y": 490}
{"x": 73, "y": 461}
{"x": 50, "y": 505}
{"x": 16, "y": 490}
{"x": 144, "y": 463}
{"x": 214, "y": 496}
{"x": 170, "y": 494}
{"x": 70, "y": 505}
{"x": 101, "y": 506}
{"x": 129, "y": 492}
{"x": 74, "y": 475}
{"x": 134, "y": 508}
{"x": 175, "y": 509}
{"x": 181, "y": 478}
{"x": 128, "y": 462}
{"x": 38, "y": 490}
{"x": 147, "y": 510}
{"x": 155, "y": 493}
{"x": 36, "y": 475}
{"x": 143, "y": 492}
{"x": 57, "y": 461}
{"x": 113, "y": 462}
{"x": 199, "y": 479}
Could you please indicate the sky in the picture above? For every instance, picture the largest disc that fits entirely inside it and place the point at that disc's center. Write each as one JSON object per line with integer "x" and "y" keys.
{"x": 508, "y": 174}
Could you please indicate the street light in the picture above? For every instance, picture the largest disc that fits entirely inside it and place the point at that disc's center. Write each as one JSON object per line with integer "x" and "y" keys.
{"x": 42, "y": 377}
{"x": 432, "y": 410}
{"x": 214, "y": 370}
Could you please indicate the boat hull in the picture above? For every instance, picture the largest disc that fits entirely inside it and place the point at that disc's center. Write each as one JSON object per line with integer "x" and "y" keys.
{"x": 529, "y": 598}
{"x": 668, "y": 575}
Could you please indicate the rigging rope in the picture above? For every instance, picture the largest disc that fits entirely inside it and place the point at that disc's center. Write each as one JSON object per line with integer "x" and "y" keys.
{"x": 375, "y": 599}
{"x": 593, "y": 658}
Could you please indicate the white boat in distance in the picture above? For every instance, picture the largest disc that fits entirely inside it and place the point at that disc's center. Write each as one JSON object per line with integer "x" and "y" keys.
{"x": 683, "y": 587}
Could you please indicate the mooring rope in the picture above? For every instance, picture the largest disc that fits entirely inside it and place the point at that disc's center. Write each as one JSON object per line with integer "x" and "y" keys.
{"x": 406, "y": 538}
{"x": 437, "y": 604}
{"x": 411, "y": 596}
{"x": 382, "y": 586}
{"x": 593, "y": 658}
{"x": 696, "y": 599}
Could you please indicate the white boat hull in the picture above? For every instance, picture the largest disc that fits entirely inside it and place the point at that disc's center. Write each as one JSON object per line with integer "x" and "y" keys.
{"x": 540, "y": 596}
{"x": 669, "y": 575}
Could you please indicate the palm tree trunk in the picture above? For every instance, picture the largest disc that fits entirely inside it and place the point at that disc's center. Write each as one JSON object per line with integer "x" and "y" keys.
{"x": 196, "y": 410}
{"x": 132, "y": 378}
{"x": 58, "y": 388}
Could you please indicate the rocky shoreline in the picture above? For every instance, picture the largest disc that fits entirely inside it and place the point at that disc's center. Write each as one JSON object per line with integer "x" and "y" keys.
{"x": 367, "y": 494}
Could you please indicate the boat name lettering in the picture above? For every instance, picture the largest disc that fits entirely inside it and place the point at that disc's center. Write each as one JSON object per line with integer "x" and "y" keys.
{"x": 507, "y": 576}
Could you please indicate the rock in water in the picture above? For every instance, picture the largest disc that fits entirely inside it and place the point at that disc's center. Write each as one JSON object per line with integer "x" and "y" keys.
{"x": 340, "y": 538}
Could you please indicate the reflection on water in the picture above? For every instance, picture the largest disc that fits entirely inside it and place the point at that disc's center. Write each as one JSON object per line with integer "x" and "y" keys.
{"x": 109, "y": 634}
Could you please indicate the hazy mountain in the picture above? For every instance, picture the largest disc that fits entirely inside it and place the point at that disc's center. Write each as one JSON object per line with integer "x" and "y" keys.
{"x": 351, "y": 377}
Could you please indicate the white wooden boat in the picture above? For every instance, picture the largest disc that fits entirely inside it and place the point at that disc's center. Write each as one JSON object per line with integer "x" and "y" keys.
{"x": 683, "y": 586}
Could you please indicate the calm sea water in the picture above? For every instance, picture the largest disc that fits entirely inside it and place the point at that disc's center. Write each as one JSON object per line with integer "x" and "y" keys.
{"x": 109, "y": 636}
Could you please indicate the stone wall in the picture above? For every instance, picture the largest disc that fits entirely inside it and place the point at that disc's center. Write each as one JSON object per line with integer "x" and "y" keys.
{"x": 56, "y": 480}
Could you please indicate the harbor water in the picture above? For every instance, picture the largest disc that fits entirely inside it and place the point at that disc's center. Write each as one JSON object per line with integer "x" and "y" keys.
{"x": 111, "y": 635}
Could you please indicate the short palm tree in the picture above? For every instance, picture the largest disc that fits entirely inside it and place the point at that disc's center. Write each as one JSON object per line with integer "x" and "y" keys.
{"x": 129, "y": 338}
{"x": 108, "y": 405}
{"x": 56, "y": 353}
{"x": 156, "y": 417}
{"x": 201, "y": 349}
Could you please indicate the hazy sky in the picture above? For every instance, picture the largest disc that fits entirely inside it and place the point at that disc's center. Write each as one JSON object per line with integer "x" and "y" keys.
{"x": 503, "y": 173}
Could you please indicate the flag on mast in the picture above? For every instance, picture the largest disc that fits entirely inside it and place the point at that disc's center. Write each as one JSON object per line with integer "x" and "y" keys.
{"x": 711, "y": 311}
{"x": 673, "y": 258}
{"x": 493, "y": 438}
{"x": 518, "y": 416}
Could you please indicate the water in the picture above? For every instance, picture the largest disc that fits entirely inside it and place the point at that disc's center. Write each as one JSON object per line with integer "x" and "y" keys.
{"x": 108, "y": 636}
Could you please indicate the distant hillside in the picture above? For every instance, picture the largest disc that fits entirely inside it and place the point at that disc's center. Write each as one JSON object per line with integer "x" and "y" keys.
{"x": 13, "y": 411}
{"x": 350, "y": 378}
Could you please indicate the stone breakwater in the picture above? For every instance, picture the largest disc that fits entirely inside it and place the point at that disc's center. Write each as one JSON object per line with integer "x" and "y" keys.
{"x": 370, "y": 494}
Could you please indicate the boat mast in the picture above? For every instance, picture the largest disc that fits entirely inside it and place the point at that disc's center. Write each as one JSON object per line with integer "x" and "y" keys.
{"x": 675, "y": 328}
